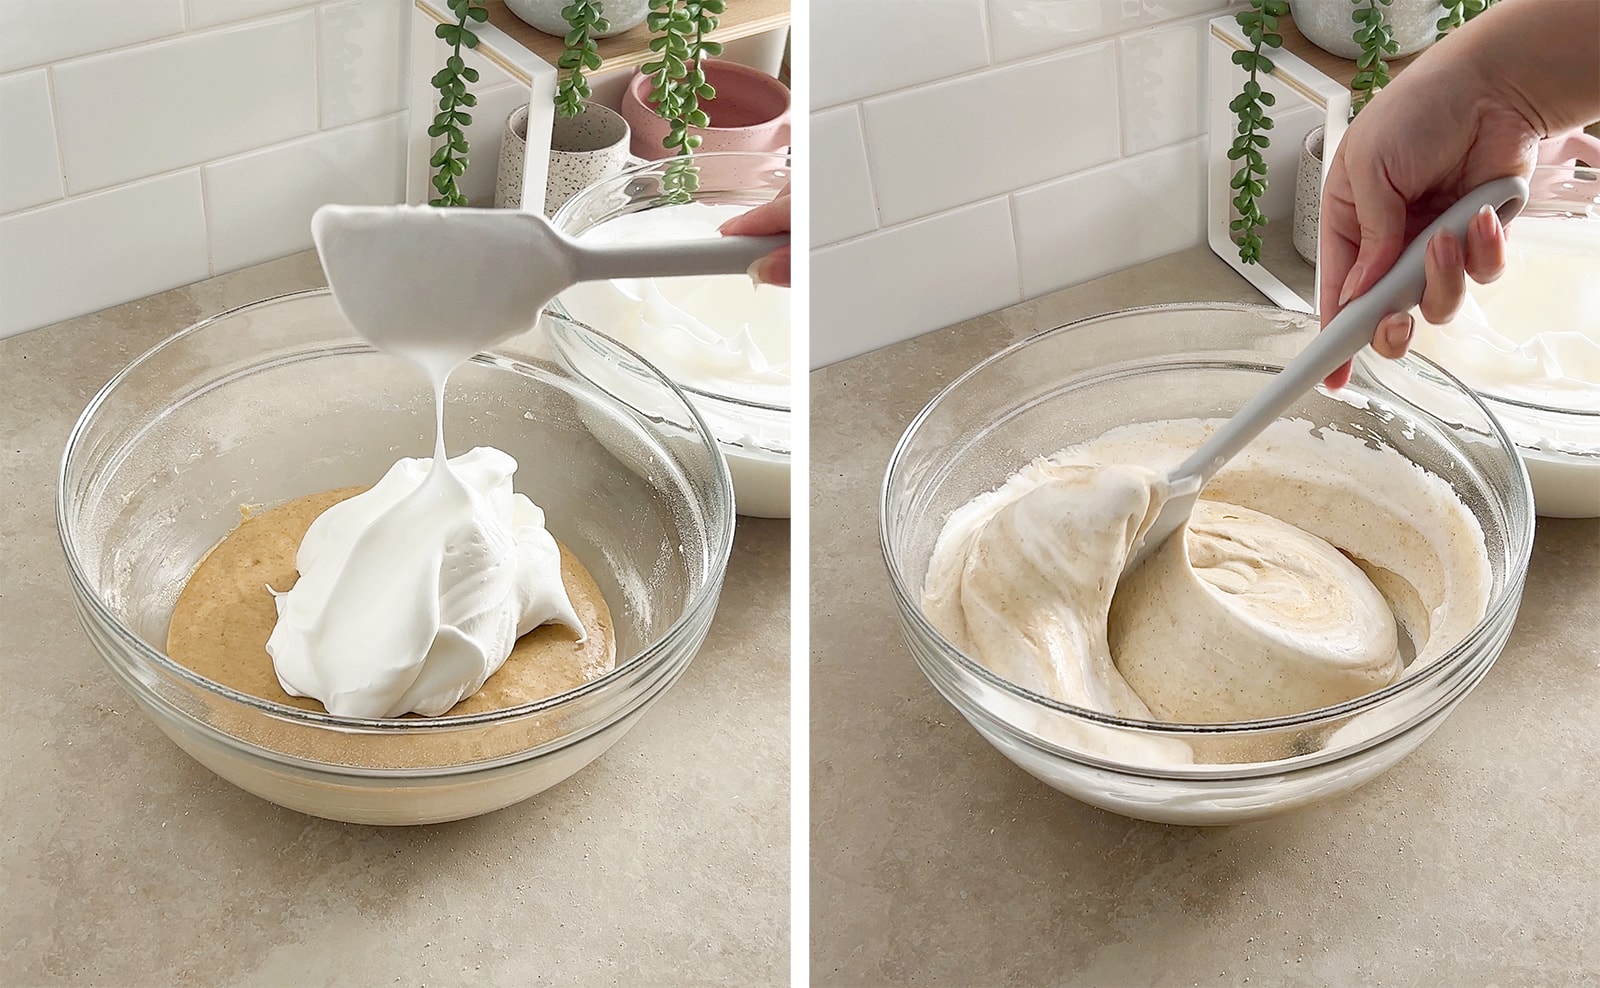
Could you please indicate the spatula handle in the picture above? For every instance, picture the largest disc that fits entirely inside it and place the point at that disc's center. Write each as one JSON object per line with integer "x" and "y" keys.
{"x": 1352, "y": 328}
{"x": 716, "y": 255}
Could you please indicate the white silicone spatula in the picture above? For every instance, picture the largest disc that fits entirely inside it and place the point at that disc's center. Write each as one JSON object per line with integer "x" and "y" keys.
{"x": 483, "y": 275}
{"x": 1344, "y": 337}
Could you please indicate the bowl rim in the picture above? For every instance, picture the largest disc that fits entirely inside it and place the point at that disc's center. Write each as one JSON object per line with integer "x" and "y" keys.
{"x": 706, "y": 597}
{"x": 556, "y": 309}
{"x": 910, "y": 606}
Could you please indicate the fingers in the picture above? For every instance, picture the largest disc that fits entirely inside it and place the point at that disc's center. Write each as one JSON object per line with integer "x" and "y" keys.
{"x": 1393, "y": 335}
{"x": 772, "y": 269}
{"x": 1486, "y": 247}
{"x": 1381, "y": 213}
{"x": 1339, "y": 236}
{"x": 764, "y": 220}
{"x": 1444, "y": 279}
{"x": 1363, "y": 230}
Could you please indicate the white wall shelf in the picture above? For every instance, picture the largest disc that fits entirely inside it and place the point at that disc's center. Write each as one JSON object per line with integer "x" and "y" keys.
{"x": 1312, "y": 87}
{"x": 528, "y": 57}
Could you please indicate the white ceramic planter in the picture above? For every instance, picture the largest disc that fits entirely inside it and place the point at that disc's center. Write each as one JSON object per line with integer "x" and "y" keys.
{"x": 1327, "y": 24}
{"x": 545, "y": 15}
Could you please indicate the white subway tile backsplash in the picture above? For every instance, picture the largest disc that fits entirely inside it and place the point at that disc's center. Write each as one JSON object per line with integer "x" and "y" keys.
{"x": 1113, "y": 217}
{"x": 36, "y": 33}
{"x": 83, "y": 254}
{"x": 133, "y": 113}
{"x": 364, "y": 46}
{"x": 894, "y": 284}
{"x": 861, "y": 49}
{"x": 1030, "y": 27}
{"x": 29, "y": 171}
{"x": 259, "y": 205}
{"x": 841, "y": 190}
{"x": 954, "y": 142}
{"x": 1160, "y": 102}
{"x": 210, "y": 13}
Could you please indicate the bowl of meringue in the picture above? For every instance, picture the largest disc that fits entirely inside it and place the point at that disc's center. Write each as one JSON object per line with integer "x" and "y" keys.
{"x": 1528, "y": 343}
{"x": 725, "y": 340}
{"x": 258, "y": 551}
{"x": 1342, "y": 585}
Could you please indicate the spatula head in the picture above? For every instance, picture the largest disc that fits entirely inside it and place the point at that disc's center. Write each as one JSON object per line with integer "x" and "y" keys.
{"x": 407, "y": 271}
{"x": 1174, "y": 513}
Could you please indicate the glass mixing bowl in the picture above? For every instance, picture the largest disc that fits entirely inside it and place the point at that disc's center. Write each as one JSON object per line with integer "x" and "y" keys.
{"x": 1076, "y": 382}
{"x": 754, "y": 435}
{"x": 278, "y": 399}
{"x": 1559, "y": 445}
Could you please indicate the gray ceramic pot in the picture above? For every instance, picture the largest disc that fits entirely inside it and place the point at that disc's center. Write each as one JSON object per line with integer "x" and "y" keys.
{"x": 545, "y": 15}
{"x": 1327, "y": 24}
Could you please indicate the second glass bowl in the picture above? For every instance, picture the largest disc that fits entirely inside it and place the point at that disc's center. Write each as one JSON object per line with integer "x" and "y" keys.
{"x": 754, "y": 435}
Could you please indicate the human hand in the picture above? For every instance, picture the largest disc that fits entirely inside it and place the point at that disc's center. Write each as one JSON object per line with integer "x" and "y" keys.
{"x": 765, "y": 220}
{"x": 1433, "y": 135}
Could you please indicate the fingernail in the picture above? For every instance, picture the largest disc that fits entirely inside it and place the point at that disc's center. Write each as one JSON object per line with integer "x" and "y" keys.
{"x": 1488, "y": 221}
{"x": 1350, "y": 282}
{"x": 757, "y": 271}
{"x": 1397, "y": 330}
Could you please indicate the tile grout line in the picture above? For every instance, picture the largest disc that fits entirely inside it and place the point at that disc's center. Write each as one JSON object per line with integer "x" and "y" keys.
{"x": 316, "y": 65}
{"x": 1016, "y": 243}
{"x": 163, "y": 39}
{"x": 1025, "y": 60}
{"x": 55, "y": 124}
{"x": 1033, "y": 187}
{"x": 205, "y": 218}
{"x": 872, "y": 181}
{"x": 168, "y": 173}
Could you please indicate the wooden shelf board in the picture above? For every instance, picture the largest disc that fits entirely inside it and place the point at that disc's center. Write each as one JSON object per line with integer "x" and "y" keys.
{"x": 1340, "y": 70}
{"x": 631, "y": 49}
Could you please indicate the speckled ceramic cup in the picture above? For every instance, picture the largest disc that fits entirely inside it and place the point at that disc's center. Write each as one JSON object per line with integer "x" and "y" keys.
{"x": 1308, "y": 197}
{"x": 585, "y": 149}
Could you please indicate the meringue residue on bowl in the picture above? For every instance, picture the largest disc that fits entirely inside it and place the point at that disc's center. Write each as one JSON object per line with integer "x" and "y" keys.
{"x": 1533, "y": 334}
{"x": 720, "y": 334}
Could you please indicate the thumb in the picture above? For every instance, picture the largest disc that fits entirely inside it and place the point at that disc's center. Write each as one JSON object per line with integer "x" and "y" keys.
{"x": 1381, "y": 215}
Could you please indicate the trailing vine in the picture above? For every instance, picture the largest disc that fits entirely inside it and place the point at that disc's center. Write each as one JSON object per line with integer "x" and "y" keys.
{"x": 1376, "y": 39}
{"x": 1457, "y": 13}
{"x": 585, "y": 20}
{"x": 678, "y": 81}
{"x": 1260, "y": 25}
{"x": 450, "y": 161}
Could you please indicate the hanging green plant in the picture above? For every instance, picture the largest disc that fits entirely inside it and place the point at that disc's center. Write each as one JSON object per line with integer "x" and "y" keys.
{"x": 450, "y": 160}
{"x": 585, "y": 21}
{"x": 678, "y": 81}
{"x": 1457, "y": 13}
{"x": 1260, "y": 26}
{"x": 1376, "y": 39}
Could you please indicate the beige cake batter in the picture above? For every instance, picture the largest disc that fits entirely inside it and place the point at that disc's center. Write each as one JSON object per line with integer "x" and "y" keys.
{"x": 224, "y": 616}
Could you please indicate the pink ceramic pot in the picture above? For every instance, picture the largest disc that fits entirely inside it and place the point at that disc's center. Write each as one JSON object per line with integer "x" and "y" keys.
{"x": 749, "y": 113}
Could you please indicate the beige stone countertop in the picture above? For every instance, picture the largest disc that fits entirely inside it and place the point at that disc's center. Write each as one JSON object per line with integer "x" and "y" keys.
{"x": 126, "y": 863}
{"x": 935, "y": 861}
